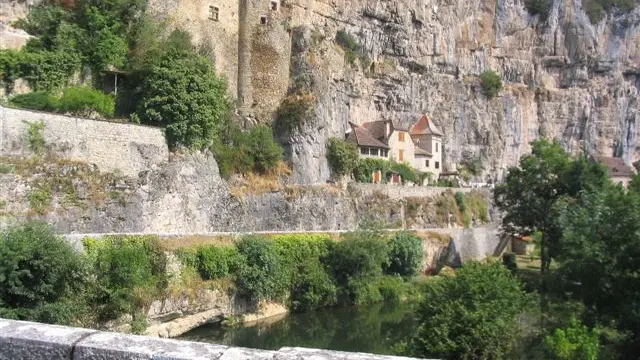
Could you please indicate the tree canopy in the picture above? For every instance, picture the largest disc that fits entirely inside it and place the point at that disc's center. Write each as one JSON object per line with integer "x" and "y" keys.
{"x": 531, "y": 190}
{"x": 472, "y": 315}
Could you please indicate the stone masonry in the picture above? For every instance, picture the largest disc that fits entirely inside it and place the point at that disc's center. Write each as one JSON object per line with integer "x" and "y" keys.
{"x": 113, "y": 147}
{"x": 32, "y": 341}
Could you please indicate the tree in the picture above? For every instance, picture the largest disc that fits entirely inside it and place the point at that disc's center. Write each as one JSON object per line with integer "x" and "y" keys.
{"x": 262, "y": 274}
{"x": 575, "y": 342}
{"x": 40, "y": 273}
{"x": 530, "y": 192}
{"x": 342, "y": 156}
{"x": 472, "y": 315}
{"x": 183, "y": 93}
{"x": 405, "y": 254}
{"x": 599, "y": 255}
{"x": 266, "y": 153}
{"x": 491, "y": 83}
{"x": 634, "y": 185}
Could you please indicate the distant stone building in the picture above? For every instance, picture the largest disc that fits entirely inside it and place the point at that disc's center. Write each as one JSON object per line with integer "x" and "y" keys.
{"x": 619, "y": 172}
{"x": 428, "y": 143}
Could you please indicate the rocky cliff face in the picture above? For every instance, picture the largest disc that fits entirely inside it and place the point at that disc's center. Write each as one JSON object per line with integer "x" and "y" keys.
{"x": 563, "y": 78}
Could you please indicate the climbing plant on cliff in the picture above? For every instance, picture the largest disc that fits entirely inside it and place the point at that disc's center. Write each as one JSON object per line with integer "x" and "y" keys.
{"x": 183, "y": 93}
{"x": 342, "y": 156}
{"x": 491, "y": 83}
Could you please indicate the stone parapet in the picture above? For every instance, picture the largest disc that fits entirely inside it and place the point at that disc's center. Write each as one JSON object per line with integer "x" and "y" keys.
{"x": 32, "y": 341}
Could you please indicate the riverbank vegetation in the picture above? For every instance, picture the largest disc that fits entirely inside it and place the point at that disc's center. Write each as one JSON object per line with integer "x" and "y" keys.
{"x": 44, "y": 279}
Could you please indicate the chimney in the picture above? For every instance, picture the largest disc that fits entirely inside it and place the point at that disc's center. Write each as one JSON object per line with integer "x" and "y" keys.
{"x": 387, "y": 132}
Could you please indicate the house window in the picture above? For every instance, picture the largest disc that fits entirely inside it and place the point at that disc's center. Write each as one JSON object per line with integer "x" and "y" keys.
{"x": 274, "y": 5}
{"x": 426, "y": 163}
{"x": 263, "y": 20}
{"x": 214, "y": 13}
{"x": 364, "y": 151}
{"x": 437, "y": 165}
{"x": 400, "y": 136}
{"x": 374, "y": 152}
{"x": 385, "y": 153}
{"x": 437, "y": 147}
{"x": 401, "y": 155}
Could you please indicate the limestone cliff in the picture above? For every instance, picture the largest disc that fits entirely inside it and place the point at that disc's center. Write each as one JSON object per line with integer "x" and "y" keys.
{"x": 564, "y": 78}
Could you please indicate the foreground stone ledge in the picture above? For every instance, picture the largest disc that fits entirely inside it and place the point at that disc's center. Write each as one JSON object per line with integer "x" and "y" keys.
{"x": 21, "y": 340}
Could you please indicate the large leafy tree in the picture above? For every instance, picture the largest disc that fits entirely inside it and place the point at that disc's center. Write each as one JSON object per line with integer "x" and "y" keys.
{"x": 470, "y": 316}
{"x": 599, "y": 255}
{"x": 531, "y": 190}
{"x": 183, "y": 93}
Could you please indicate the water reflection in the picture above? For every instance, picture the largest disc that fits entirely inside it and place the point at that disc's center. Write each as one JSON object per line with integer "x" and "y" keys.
{"x": 373, "y": 329}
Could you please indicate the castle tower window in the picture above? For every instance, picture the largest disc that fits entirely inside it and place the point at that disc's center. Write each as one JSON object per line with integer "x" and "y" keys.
{"x": 263, "y": 20}
{"x": 214, "y": 13}
{"x": 274, "y": 5}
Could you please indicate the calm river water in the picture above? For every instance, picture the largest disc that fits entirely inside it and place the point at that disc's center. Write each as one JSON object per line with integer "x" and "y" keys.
{"x": 372, "y": 329}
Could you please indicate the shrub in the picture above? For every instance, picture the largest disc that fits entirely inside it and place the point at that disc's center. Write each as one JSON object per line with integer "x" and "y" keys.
{"x": 241, "y": 152}
{"x": 39, "y": 200}
{"x": 44, "y": 70}
{"x": 38, "y": 100}
{"x": 460, "y": 201}
{"x": 405, "y": 254}
{"x": 407, "y": 172}
{"x": 363, "y": 172}
{"x": 129, "y": 270}
{"x": 356, "y": 260}
{"x": 342, "y": 156}
{"x": 78, "y": 100}
{"x": 35, "y": 135}
{"x": 392, "y": 289}
{"x": 352, "y": 50}
{"x": 539, "y": 7}
{"x": 293, "y": 111}
{"x": 262, "y": 274}
{"x": 311, "y": 285}
{"x": 574, "y": 342}
{"x": 510, "y": 261}
{"x": 264, "y": 151}
{"x": 82, "y": 101}
{"x": 39, "y": 275}
{"x": 473, "y": 315}
{"x": 214, "y": 262}
{"x": 491, "y": 83}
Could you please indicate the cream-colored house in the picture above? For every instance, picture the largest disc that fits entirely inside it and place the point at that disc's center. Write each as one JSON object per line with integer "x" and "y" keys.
{"x": 619, "y": 172}
{"x": 420, "y": 146}
{"x": 428, "y": 146}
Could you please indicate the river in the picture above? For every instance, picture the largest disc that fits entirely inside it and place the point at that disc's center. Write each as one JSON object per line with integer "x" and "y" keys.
{"x": 371, "y": 329}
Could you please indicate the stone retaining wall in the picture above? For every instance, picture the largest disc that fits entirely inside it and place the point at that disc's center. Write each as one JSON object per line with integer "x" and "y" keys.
{"x": 33, "y": 341}
{"x": 127, "y": 148}
{"x": 396, "y": 192}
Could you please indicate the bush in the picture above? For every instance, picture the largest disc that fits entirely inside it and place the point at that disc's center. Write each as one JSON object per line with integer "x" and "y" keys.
{"x": 82, "y": 101}
{"x": 214, "y": 262}
{"x": 78, "y": 100}
{"x": 39, "y": 275}
{"x": 38, "y": 100}
{"x": 574, "y": 342}
{"x": 363, "y": 172}
{"x": 44, "y": 70}
{"x": 405, "y": 254}
{"x": 311, "y": 285}
{"x": 510, "y": 261}
{"x": 293, "y": 111}
{"x": 460, "y": 201}
{"x": 241, "y": 152}
{"x": 352, "y": 50}
{"x": 130, "y": 271}
{"x": 262, "y": 274}
{"x": 473, "y": 315}
{"x": 491, "y": 83}
{"x": 356, "y": 261}
{"x": 539, "y": 7}
{"x": 342, "y": 156}
{"x": 407, "y": 172}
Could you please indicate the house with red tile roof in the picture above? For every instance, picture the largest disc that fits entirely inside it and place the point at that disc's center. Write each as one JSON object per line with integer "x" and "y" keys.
{"x": 619, "y": 172}
{"x": 420, "y": 145}
{"x": 428, "y": 143}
